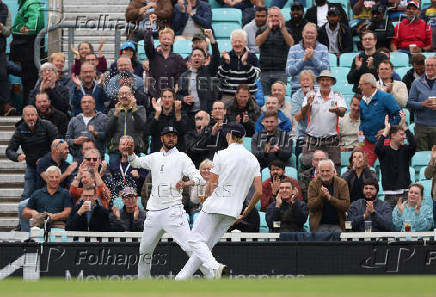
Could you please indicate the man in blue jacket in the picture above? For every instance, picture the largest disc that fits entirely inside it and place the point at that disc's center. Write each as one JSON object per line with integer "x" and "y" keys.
{"x": 190, "y": 17}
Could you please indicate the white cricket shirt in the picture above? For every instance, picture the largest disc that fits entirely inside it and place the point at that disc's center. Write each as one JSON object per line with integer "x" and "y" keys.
{"x": 167, "y": 169}
{"x": 236, "y": 169}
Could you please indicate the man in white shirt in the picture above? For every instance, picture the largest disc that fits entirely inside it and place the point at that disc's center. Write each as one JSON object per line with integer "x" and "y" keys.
{"x": 234, "y": 170}
{"x": 165, "y": 212}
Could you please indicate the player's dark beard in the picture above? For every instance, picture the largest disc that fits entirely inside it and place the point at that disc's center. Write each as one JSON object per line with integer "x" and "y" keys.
{"x": 169, "y": 146}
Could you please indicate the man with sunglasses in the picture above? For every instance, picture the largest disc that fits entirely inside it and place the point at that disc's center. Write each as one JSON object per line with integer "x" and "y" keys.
{"x": 130, "y": 218}
{"x": 165, "y": 212}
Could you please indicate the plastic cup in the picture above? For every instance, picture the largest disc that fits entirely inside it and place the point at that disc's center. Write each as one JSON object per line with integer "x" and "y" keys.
{"x": 368, "y": 226}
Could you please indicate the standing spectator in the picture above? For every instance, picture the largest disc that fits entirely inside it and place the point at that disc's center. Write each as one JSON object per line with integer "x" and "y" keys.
{"x": 366, "y": 61}
{"x": 244, "y": 110}
{"x": 87, "y": 85}
{"x": 430, "y": 172}
{"x": 128, "y": 49}
{"x": 34, "y": 136}
{"x": 271, "y": 186}
{"x": 327, "y": 200}
{"x": 356, "y": 175}
{"x": 349, "y": 126}
{"x": 317, "y": 14}
{"x": 29, "y": 20}
{"x": 49, "y": 113}
{"x": 297, "y": 22}
{"x": 126, "y": 118}
{"x": 396, "y": 88}
{"x": 87, "y": 125}
{"x": 252, "y": 27}
{"x": 305, "y": 176}
{"x": 374, "y": 106}
{"x": 287, "y": 209}
{"x": 49, "y": 83}
{"x": 413, "y": 212}
{"x": 325, "y": 107}
{"x": 418, "y": 69}
{"x": 239, "y": 66}
{"x": 422, "y": 100}
{"x": 272, "y": 105}
{"x": 165, "y": 66}
{"x": 139, "y": 12}
{"x": 271, "y": 143}
{"x": 334, "y": 34}
{"x": 191, "y": 17}
{"x": 395, "y": 158}
{"x": 5, "y": 30}
{"x": 80, "y": 54}
{"x": 130, "y": 218}
{"x": 412, "y": 34}
{"x": 308, "y": 54}
{"x": 274, "y": 42}
{"x": 369, "y": 208}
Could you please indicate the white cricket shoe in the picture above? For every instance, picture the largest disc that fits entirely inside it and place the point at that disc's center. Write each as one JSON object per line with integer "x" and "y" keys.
{"x": 220, "y": 271}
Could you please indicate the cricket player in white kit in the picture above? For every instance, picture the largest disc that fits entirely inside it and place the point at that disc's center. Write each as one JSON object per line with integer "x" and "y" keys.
{"x": 234, "y": 170}
{"x": 165, "y": 212}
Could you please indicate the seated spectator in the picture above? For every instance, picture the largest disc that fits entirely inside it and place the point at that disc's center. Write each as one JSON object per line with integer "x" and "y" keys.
{"x": 430, "y": 171}
{"x": 317, "y": 14}
{"x": 191, "y": 17}
{"x": 413, "y": 215}
{"x": 335, "y": 35}
{"x": 85, "y": 177}
{"x": 165, "y": 66}
{"x": 239, "y": 66}
{"x": 325, "y": 106}
{"x": 287, "y": 211}
{"x": 50, "y": 113}
{"x": 385, "y": 51}
{"x": 274, "y": 41}
{"x": 412, "y": 34}
{"x": 271, "y": 186}
{"x": 139, "y": 12}
{"x": 396, "y": 88}
{"x": 92, "y": 59}
{"x": 305, "y": 176}
{"x": 328, "y": 200}
{"x": 130, "y": 218}
{"x": 369, "y": 208}
{"x": 50, "y": 84}
{"x": 244, "y": 110}
{"x": 197, "y": 155}
{"x": 272, "y": 105}
{"x": 374, "y": 106}
{"x": 88, "y": 214}
{"x": 381, "y": 26}
{"x": 308, "y": 54}
{"x": 87, "y": 85}
{"x": 417, "y": 70}
{"x": 167, "y": 113}
{"x": 57, "y": 156}
{"x": 58, "y": 60}
{"x": 252, "y": 27}
{"x": 297, "y": 22}
{"x": 349, "y": 126}
{"x": 51, "y": 201}
{"x": 84, "y": 49}
{"x": 126, "y": 118}
{"x": 362, "y": 13}
{"x": 429, "y": 16}
{"x": 395, "y": 158}
{"x": 128, "y": 49}
{"x": 356, "y": 175}
{"x": 87, "y": 125}
{"x": 278, "y": 90}
{"x": 272, "y": 143}
{"x": 366, "y": 61}
{"x": 196, "y": 89}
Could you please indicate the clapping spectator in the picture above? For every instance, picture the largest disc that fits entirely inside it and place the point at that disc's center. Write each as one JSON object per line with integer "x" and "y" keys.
{"x": 297, "y": 22}
{"x": 58, "y": 59}
{"x": 130, "y": 218}
{"x": 252, "y": 27}
{"x": 128, "y": 49}
{"x": 88, "y": 177}
{"x": 190, "y": 16}
{"x": 80, "y": 54}
{"x": 50, "y": 113}
{"x": 396, "y": 88}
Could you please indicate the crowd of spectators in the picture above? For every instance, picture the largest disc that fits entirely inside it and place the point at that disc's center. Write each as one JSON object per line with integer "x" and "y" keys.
{"x": 74, "y": 127}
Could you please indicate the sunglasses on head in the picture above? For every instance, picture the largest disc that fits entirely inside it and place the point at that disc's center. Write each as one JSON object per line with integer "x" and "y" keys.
{"x": 91, "y": 159}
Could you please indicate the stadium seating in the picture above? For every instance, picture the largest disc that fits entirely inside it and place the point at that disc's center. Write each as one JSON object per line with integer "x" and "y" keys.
{"x": 345, "y": 156}
{"x": 412, "y": 174}
{"x": 425, "y": 4}
{"x": 182, "y": 46}
{"x": 340, "y": 73}
{"x": 224, "y": 45}
{"x": 427, "y": 189}
{"x": 286, "y": 13}
{"x": 214, "y": 4}
{"x": 226, "y": 15}
{"x": 247, "y": 143}
{"x": 399, "y": 59}
{"x": 292, "y": 172}
{"x": 333, "y": 60}
{"x": 222, "y": 30}
{"x": 420, "y": 159}
{"x": 407, "y": 113}
{"x": 429, "y": 54}
{"x": 346, "y": 59}
{"x": 263, "y": 225}
{"x": 421, "y": 174}
{"x": 401, "y": 71}
{"x": 265, "y": 174}
{"x": 412, "y": 128}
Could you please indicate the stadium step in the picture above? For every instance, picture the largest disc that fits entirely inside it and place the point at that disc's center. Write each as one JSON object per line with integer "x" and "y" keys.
{"x": 8, "y": 223}
{"x": 9, "y": 209}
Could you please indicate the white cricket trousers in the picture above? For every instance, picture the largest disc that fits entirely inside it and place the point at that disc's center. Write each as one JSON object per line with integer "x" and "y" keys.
{"x": 207, "y": 231}
{"x": 171, "y": 220}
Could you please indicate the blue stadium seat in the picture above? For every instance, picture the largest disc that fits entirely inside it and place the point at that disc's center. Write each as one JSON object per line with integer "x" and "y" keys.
{"x": 344, "y": 88}
{"x": 412, "y": 127}
{"x": 345, "y": 156}
{"x": 425, "y": 4}
{"x": 286, "y": 13}
{"x": 292, "y": 172}
{"x": 399, "y": 59}
{"x": 182, "y": 46}
{"x": 247, "y": 143}
{"x": 340, "y": 73}
{"x": 412, "y": 174}
{"x": 258, "y": 204}
{"x": 141, "y": 51}
{"x": 343, "y": 170}
{"x": 421, "y": 174}
{"x": 306, "y": 225}
{"x": 380, "y": 194}
{"x": 333, "y": 60}
{"x": 407, "y": 113}
{"x": 265, "y": 174}
{"x": 429, "y": 54}
{"x": 420, "y": 159}
{"x": 227, "y": 15}
{"x": 401, "y": 71}
{"x": 344, "y": 3}
{"x": 346, "y": 59}
{"x": 223, "y": 30}
{"x": 263, "y": 225}
{"x": 224, "y": 45}
{"x": 427, "y": 189}
{"x": 214, "y": 4}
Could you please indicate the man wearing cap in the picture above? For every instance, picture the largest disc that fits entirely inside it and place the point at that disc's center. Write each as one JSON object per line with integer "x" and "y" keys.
{"x": 317, "y": 14}
{"x": 412, "y": 34}
{"x": 334, "y": 34}
{"x": 296, "y": 24}
{"x": 273, "y": 41}
{"x": 130, "y": 218}
{"x": 381, "y": 26}
{"x": 190, "y": 17}
{"x": 235, "y": 170}
{"x": 165, "y": 212}
{"x": 252, "y": 27}
{"x": 128, "y": 49}
{"x": 323, "y": 109}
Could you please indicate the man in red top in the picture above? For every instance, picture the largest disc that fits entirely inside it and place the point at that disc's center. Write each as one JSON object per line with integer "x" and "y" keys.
{"x": 412, "y": 34}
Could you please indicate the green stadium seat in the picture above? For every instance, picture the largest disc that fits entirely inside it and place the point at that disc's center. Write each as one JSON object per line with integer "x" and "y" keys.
{"x": 345, "y": 156}
{"x": 286, "y": 13}
{"x": 247, "y": 143}
{"x": 226, "y": 15}
{"x": 412, "y": 174}
{"x": 291, "y": 172}
{"x": 399, "y": 59}
{"x": 346, "y": 59}
{"x": 223, "y": 30}
{"x": 224, "y": 45}
{"x": 182, "y": 46}
{"x": 427, "y": 189}
{"x": 421, "y": 174}
{"x": 340, "y": 73}
{"x": 263, "y": 227}
{"x": 333, "y": 60}
{"x": 401, "y": 71}
{"x": 420, "y": 159}
{"x": 265, "y": 174}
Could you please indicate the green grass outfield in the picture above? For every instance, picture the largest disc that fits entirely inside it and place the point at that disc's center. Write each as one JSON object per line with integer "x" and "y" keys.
{"x": 309, "y": 286}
